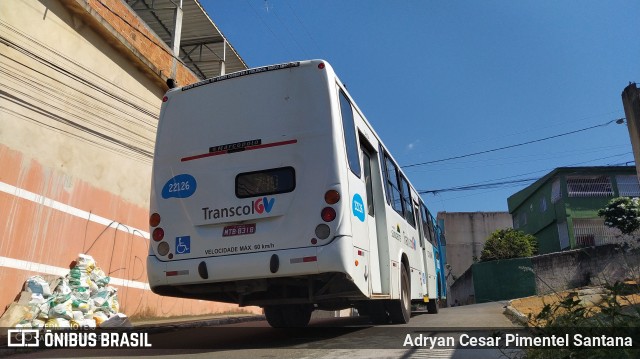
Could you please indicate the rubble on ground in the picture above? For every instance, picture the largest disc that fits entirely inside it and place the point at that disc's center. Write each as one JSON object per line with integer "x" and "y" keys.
{"x": 81, "y": 299}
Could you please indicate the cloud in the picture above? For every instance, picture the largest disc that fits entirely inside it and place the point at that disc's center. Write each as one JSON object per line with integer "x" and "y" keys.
{"x": 412, "y": 145}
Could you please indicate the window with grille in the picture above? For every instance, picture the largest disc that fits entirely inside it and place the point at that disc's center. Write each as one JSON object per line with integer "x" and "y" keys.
{"x": 586, "y": 240}
{"x": 593, "y": 232}
{"x": 582, "y": 186}
{"x": 628, "y": 185}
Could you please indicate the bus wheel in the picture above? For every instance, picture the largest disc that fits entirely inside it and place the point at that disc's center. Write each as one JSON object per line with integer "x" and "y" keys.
{"x": 433, "y": 306}
{"x": 377, "y": 312}
{"x": 400, "y": 310}
{"x": 289, "y": 316}
{"x": 274, "y": 316}
{"x": 363, "y": 309}
{"x": 297, "y": 316}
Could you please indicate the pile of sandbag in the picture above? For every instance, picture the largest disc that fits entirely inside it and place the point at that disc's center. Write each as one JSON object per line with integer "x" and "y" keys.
{"x": 81, "y": 299}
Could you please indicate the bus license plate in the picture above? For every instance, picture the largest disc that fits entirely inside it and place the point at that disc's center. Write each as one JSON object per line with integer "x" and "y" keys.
{"x": 239, "y": 230}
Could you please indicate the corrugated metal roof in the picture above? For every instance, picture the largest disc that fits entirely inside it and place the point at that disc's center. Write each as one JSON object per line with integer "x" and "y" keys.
{"x": 203, "y": 47}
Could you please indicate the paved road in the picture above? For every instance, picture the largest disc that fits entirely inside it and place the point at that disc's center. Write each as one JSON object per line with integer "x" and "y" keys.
{"x": 352, "y": 338}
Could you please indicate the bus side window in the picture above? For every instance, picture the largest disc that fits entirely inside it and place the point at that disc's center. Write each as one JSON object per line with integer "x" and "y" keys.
{"x": 385, "y": 174}
{"x": 432, "y": 230}
{"x": 425, "y": 223}
{"x": 349, "y": 128}
{"x": 393, "y": 191}
{"x": 406, "y": 199}
{"x": 366, "y": 162}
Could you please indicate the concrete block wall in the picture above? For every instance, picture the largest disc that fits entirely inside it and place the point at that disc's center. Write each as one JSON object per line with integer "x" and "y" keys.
{"x": 462, "y": 292}
{"x": 582, "y": 267}
{"x": 554, "y": 272}
{"x": 466, "y": 233}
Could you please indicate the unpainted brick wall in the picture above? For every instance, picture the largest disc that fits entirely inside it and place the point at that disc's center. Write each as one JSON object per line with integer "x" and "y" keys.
{"x": 134, "y": 31}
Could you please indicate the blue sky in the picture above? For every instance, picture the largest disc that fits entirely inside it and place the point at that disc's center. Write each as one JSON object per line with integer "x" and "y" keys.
{"x": 440, "y": 79}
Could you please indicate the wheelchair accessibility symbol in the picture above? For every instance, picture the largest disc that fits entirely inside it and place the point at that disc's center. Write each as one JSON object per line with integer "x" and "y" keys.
{"x": 183, "y": 245}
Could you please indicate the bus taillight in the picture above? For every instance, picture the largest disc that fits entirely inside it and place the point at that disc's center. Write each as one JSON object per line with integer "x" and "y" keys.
{"x": 163, "y": 248}
{"x": 154, "y": 220}
{"x": 158, "y": 234}
{"x": 323, "y": 231}
{"x": 328, "y": 214}
{"x": 332, "y": 197}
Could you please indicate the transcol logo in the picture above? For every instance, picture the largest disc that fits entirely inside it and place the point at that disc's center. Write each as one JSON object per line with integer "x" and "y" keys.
{"x": 263, "y": 204}
{"x": 259, "y": 206}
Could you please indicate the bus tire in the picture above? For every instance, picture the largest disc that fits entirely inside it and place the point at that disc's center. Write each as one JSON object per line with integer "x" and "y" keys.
{"x": 288, "y": 316}
{"x": 363, "y": 309}
{"x": 400, "y": 310}
{"x": 433, "y": 306}
{"x": 378, "y": 312}
{"x": 273, "y": 313}
{"x": 297, "y": 316}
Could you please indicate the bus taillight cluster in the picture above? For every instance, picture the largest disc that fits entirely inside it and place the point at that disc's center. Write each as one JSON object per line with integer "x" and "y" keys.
{"x": 331, "y": 197}
{"x": 158, "y": 234}
{"x": 328, "y": 214}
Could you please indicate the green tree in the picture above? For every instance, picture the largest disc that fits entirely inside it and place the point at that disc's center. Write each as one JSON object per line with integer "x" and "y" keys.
{"x": 622, "y": 213}
{"x": 508, "y": 243}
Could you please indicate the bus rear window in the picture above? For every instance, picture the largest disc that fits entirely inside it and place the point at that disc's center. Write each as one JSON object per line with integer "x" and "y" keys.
{"x": 266, "y": 182}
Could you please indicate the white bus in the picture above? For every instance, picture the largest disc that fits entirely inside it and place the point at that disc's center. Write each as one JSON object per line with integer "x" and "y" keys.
{"x": 270, "y": 188}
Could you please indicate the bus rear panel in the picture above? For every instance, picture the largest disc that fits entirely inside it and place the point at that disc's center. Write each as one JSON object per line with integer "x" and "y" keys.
{"x": 245, "y": 202}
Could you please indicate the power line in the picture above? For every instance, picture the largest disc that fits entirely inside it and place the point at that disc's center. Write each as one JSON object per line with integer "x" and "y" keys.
{"x": 304, "y": 27}
{"x": 513, "y": 160}
{"x": 488, "y": 184}
{"x": 268, "y": 27}
{"x": 479, "y": 186}
{"x": 284, "y": 24}
{"x": 619, "y": 121}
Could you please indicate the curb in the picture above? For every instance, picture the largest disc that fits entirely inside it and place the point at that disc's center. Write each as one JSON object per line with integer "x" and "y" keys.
{"x": 516, "y": 315}
{"x": 168, "y": 326}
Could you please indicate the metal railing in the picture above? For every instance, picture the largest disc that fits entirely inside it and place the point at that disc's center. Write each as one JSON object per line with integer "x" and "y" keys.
{"x": 593, "y": 232}
{"x": 628, "y": 186}
{"x": 589, "y": 187}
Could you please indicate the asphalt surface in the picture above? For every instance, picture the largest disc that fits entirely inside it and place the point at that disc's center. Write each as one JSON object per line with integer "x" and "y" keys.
{"x": 351, "y": 337}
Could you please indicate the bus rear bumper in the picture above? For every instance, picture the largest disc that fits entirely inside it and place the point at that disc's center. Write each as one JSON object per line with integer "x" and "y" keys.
{"x": 333, "y": 257}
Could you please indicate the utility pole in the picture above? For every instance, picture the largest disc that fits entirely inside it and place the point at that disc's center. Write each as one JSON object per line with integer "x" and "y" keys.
{"x": 631, "y": 103}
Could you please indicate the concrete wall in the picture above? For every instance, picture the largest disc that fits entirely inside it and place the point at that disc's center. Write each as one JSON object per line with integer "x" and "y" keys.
{"x": 462, "y": 291}
{"x": 466, "y": 233}
{"x": 544, "y": 274}
{"x": 78, "y": 116}
{"x": 582, "y": 267}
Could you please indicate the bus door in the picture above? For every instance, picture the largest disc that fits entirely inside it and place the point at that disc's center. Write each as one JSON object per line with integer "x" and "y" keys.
{"x": 427, "y": 252}
{"x": 423, "y": 244}
{"x": 370, "y": 168}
